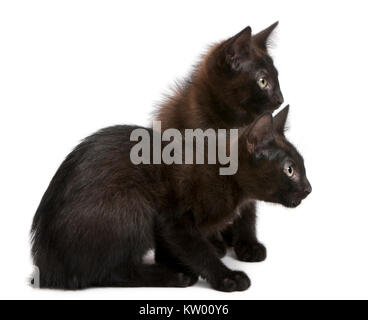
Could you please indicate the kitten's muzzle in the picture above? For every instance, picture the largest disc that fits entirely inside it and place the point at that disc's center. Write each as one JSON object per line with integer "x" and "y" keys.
{"x": 279, "y": 99}
{"x": 298, "y": 197}
{"x": 307, "y": 189}
{"x": 295, "y": 203}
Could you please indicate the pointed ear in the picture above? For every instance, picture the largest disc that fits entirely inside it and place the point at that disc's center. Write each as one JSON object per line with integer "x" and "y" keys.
{"x": 260, "y": 133}
{"x": 279, "y": 121}
{"x": 238, "y": 46}
{"x": 261, "y": 38}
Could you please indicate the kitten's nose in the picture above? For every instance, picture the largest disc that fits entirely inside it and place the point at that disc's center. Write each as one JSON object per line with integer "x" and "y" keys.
{"x": 307, "y": 189}
{"x": 280, "y": 98}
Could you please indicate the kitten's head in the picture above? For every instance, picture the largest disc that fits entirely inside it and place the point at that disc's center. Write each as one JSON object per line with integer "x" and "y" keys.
{"x": 242, "y": 73}
{"x": 275, "y": 166}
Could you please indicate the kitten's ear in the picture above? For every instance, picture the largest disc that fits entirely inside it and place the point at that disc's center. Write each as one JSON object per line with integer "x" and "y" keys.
{"x": 261, "y": 38}
{"x": 238, "y": 46}
{"x": 260, "y": 133}
{"x": 279, "y": 121}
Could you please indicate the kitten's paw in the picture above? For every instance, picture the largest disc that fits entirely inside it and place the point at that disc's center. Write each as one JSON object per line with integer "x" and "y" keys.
{"x": 251, "y": 252}
{"x": 234, "y": 281}
{"x": 185, "y": 280}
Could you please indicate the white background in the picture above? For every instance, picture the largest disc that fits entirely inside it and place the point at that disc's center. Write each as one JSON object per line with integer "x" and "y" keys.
{"x": 68, "y": 68}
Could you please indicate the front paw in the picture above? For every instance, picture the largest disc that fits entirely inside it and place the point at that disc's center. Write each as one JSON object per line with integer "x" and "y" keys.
{"x": 184, "y": 280}
{"x": 233, "y": 281}
{"x": 250, "y": 252}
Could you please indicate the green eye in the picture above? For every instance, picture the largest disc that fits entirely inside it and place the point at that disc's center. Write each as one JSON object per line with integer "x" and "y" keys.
{"x": 262, "y": 82}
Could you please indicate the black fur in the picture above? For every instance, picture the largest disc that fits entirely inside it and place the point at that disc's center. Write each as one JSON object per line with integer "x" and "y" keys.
{"x": 101, "y": 214}
{"x": 223, "y": 93}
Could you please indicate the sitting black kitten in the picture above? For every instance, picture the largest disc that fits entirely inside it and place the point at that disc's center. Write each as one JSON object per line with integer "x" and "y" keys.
{"x": 101, "y": 213}
{"x": 235, "y": 82}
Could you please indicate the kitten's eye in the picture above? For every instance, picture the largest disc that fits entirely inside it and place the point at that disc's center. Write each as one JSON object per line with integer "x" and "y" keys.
{"x": 262, "y": 82}
{"x": 289, "y": 171}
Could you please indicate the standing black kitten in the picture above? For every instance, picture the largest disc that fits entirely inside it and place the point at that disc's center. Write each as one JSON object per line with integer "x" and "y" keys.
{"x": 101, "y": 214}
{"x": 234, "y": 83}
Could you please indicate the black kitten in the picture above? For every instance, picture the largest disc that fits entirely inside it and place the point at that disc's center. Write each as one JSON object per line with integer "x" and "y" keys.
{"x": 101, "y": 214}
{"x": 234, "y": 83}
